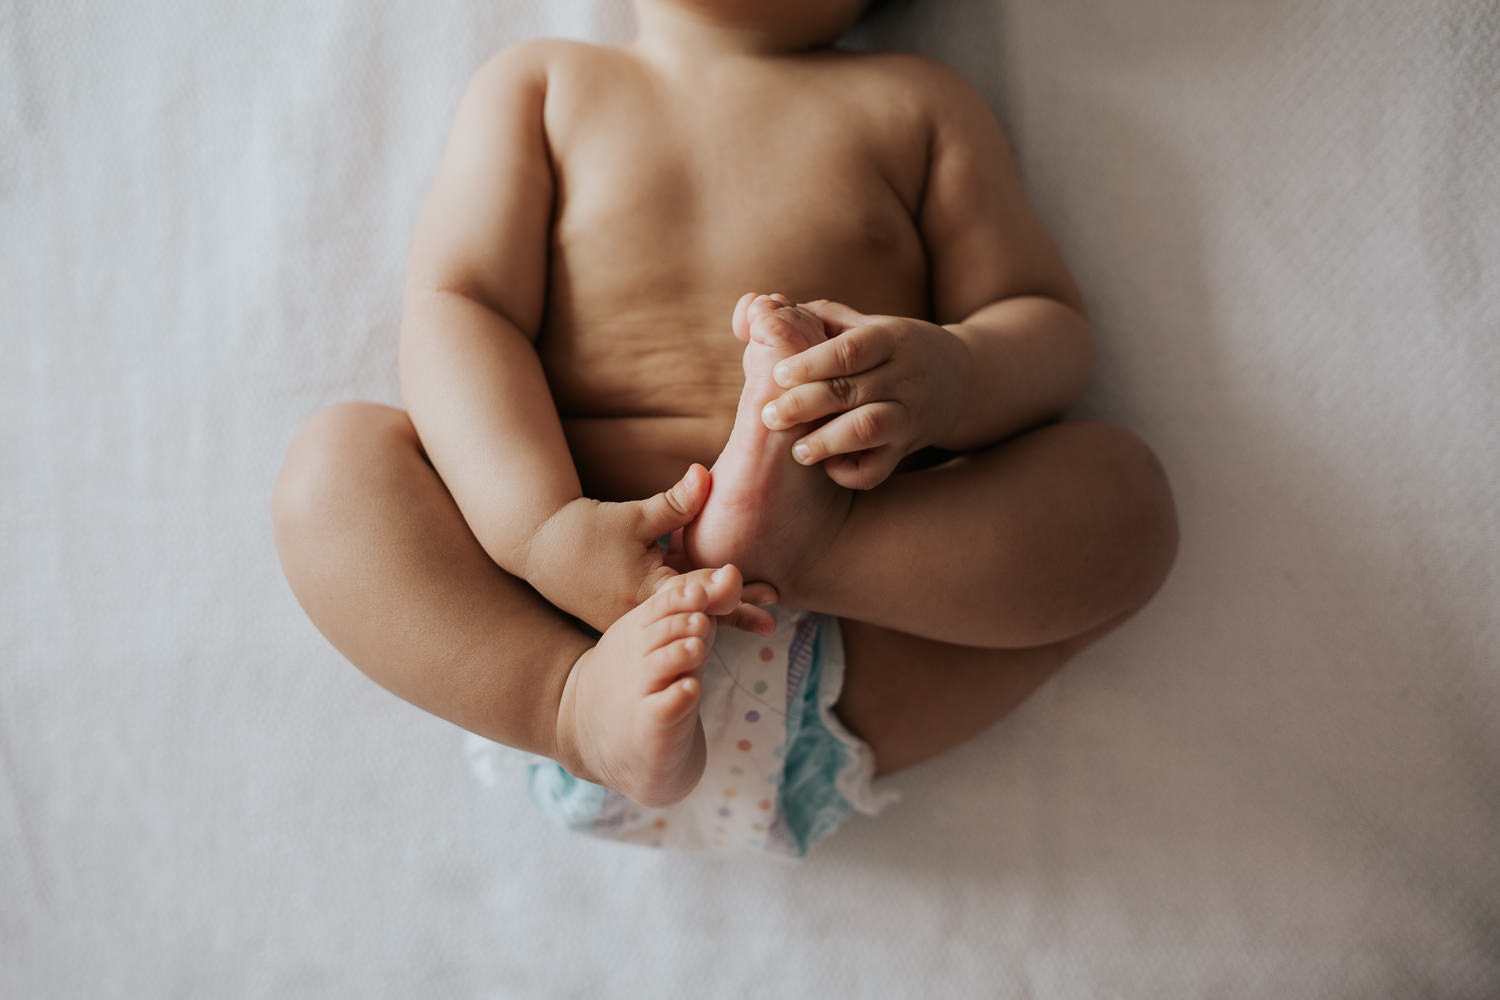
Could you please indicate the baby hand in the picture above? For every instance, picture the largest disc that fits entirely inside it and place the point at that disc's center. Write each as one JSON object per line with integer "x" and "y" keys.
{"x": 892, "y": 385}
{"x": 598, "y": 560}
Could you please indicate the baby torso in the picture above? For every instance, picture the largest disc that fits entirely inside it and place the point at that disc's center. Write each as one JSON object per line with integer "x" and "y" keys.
{"x": 678, "y": 192}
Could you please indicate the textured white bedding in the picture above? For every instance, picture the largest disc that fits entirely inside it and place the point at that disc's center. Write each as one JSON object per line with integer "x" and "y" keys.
{"x": 1282, "y": 780}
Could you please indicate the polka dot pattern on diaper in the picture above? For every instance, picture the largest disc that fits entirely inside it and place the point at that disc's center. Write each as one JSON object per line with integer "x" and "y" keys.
{"x": 746, "y": 685}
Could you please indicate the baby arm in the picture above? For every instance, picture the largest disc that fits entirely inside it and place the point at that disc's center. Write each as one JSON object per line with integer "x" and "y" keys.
{"x": 474, "y": 385}
{"x": 1011, "y": 347}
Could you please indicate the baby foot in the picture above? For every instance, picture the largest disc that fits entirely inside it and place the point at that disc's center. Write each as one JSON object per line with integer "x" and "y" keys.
{"x": 765, "y": 513}
{"x": 628, "y": 718}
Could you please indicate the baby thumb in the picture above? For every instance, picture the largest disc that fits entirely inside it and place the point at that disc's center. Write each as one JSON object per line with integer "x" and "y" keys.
{"x": 678, "y": 506}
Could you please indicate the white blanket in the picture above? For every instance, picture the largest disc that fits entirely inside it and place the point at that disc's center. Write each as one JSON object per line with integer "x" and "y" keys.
{"x": 1282, "y": 780}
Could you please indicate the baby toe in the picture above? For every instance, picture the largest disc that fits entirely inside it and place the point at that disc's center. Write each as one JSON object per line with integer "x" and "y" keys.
{"x": 724, "y": 589}
{"x": 680, "y": 625}
{"x": 740, "y": 324}
{"x": 686, "y": 592}
{"x": 674, "y": 703}
{"x": 788, "y": 328}
{"x": 761, "y": 306}
{"x": 678, "y": 657}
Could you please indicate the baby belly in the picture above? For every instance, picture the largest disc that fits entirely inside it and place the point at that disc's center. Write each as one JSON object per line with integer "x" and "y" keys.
{"x": 630, "y": 458}
{"x": 642, "y": 394}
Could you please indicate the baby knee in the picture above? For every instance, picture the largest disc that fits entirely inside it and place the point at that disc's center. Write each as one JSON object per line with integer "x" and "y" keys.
{"x": 335, "y": 445}
{"x": 1147, "y": 509}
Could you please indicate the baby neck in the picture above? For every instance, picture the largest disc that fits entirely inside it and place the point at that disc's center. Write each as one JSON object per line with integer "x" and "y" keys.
{"x": 678, "y": 34}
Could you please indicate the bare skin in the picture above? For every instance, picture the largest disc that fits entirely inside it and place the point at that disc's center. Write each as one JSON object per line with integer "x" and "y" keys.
{"x": 566, "y": 351}
{"x": 630, "y": 703}
{"x": 766, "y": 513}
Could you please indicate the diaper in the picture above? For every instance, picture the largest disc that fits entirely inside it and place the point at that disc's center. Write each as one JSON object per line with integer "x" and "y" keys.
{"x": 782, "y": 771}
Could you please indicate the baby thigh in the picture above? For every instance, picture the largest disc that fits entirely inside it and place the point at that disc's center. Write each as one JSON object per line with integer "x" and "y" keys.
{"x": 912, "y": 698}
{"x": 385, "y": 565}
{"x": 1031, "y": 542}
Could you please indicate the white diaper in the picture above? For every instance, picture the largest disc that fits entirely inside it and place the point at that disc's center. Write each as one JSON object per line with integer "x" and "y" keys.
{"x": 782, "y": 770}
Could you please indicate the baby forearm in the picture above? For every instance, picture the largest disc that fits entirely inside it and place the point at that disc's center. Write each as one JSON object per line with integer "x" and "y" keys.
{"x": 1030, "y": 359}
{"x": 478, "y": 397}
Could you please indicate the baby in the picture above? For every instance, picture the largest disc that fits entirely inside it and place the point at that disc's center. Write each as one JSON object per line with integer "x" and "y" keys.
{"x": 535, "y": 549}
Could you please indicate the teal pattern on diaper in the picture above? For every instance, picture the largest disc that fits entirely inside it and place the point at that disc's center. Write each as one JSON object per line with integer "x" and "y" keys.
{"x": 804, "y": 766}
{"x": 810, "y": 804}
{"x": 573, "y": 802}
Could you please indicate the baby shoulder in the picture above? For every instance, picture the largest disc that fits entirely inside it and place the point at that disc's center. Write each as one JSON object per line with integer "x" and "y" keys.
{"x": 536, "y": 62}
{"x": 926, "y": 86}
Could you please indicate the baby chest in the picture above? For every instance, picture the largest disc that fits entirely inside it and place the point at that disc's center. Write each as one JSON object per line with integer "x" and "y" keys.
{"x": 758, "y": 206}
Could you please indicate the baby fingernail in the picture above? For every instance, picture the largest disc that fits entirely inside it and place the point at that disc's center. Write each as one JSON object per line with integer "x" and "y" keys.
{"x": 801, "y": 452}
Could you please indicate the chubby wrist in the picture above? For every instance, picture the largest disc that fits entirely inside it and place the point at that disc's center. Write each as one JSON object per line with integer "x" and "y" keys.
{"x": 579, "y": 559}
{"x": 959, "y": 388}
{"x": 1029, "y": 363}
{"x": 551, "y": 543}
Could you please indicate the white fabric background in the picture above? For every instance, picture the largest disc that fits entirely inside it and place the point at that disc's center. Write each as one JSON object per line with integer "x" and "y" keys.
{"x": 1282, "y": 780}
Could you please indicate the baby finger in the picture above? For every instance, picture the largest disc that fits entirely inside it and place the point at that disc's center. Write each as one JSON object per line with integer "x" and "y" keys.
{"x": 850, "y": 353}
{"x": 861, "y": 429}
{"x": 749, "y": 618}
{"x": 815, "y": 400}
{"x": 865, "y": 470}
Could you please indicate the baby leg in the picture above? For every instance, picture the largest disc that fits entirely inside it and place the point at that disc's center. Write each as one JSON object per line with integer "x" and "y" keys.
{"x": 1035, "y": 541}
{"x": 382, "y": 561}
{"x": 912, "y": 698}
